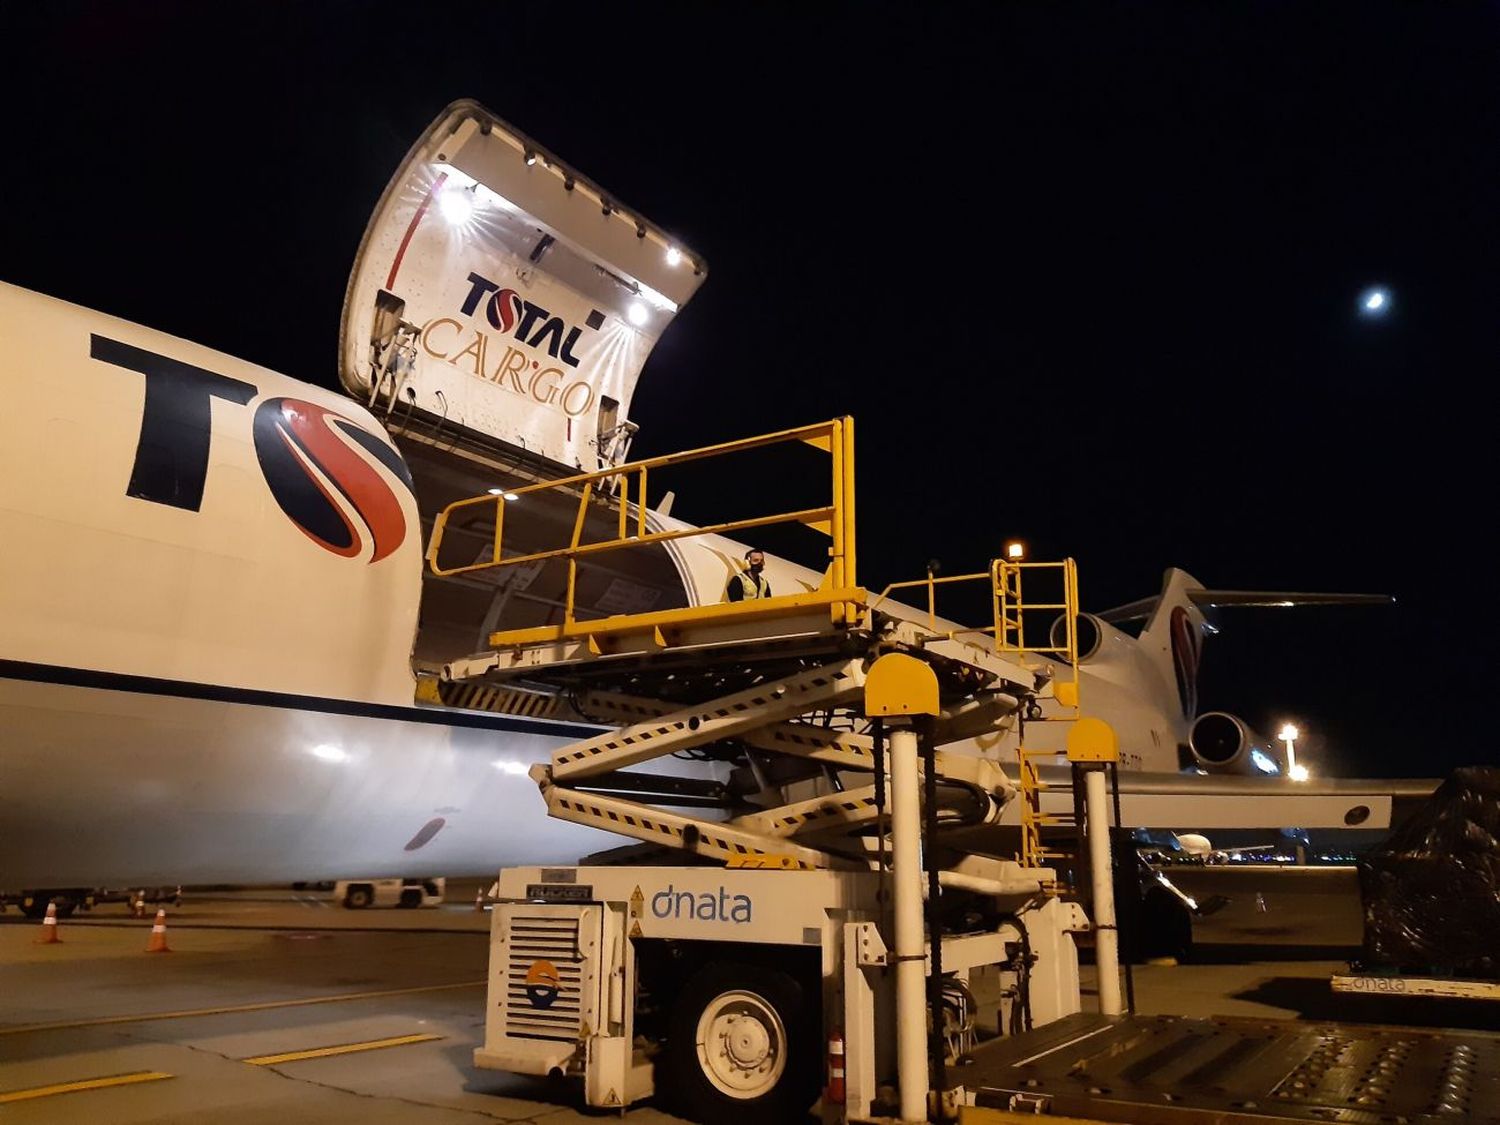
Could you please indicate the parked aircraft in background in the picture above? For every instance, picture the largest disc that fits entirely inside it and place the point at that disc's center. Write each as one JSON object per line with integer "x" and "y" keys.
{"x": 1146, "y": 685}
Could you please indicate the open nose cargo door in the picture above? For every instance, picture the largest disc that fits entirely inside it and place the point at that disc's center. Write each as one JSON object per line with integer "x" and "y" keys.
{"x": 505, "y": 298}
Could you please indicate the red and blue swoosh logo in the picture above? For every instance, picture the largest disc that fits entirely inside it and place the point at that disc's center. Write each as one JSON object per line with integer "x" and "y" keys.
{"x": 503, "y": 309}
{"x": 312, "y": 458}
{"x": 1187, "y": 650}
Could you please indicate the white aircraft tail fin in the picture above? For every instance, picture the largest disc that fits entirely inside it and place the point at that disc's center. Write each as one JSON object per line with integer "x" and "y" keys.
{"x": 1176, "y": 623}
{"x": 1173, "y": 636}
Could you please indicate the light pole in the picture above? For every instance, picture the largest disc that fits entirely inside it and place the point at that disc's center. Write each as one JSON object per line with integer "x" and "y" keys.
{"x": 1289, "y": 734}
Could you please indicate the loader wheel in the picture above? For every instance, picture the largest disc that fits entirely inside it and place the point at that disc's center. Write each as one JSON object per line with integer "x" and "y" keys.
{"x": 742, "y": 1046}
{"x": 357, "y": 898}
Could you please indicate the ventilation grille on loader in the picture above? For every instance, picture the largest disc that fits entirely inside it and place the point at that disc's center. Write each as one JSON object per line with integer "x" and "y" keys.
{"x": 539, "y": 1005}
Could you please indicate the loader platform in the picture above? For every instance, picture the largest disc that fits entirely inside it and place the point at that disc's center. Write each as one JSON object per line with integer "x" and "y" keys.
{"x": 1159, "y": 1070}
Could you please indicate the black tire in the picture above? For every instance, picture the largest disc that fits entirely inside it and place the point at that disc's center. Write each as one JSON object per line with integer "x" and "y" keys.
{"x": 691, "y": 1093}
{"x": 358, "y": 897}
{"x": 34, "y": 904}
{"x": 410, "y": 899}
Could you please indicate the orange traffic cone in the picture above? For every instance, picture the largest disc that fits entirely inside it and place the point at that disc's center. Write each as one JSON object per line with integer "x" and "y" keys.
{"x": 139, "y": 906}
{"x": 49, "y": 927}
{"x": 158, "y": 942}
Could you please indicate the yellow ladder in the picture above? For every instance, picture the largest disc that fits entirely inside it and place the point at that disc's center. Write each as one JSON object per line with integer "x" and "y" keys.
{"x": 1011, "y": 614}
{"x": 1034, "y": 852}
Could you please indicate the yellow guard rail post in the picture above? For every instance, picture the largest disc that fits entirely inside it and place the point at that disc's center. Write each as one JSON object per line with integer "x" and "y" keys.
{"x": 835, "y": 519}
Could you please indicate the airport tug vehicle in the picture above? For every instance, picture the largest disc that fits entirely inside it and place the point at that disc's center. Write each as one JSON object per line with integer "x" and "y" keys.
{"x": 828, "y": 930}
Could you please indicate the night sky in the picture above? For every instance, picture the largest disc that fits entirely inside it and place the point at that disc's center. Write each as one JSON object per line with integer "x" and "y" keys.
{"x": 1088, "y": 275}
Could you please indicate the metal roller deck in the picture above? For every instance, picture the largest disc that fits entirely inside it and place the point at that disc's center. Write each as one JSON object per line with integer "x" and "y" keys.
{"x": 1230, "y": 1071}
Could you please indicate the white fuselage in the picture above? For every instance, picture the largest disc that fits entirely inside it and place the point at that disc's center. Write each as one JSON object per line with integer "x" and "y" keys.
{"x": 195, "y": 688}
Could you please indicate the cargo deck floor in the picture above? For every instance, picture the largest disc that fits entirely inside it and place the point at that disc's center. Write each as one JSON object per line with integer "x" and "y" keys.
{"x": 1168, "y": 1069}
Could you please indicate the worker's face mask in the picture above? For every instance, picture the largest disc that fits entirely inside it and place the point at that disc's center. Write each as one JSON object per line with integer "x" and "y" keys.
{"x": 757, "y": 564}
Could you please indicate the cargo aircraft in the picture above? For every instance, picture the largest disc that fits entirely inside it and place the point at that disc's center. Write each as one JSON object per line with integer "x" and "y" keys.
{"x": 216, "y": 625}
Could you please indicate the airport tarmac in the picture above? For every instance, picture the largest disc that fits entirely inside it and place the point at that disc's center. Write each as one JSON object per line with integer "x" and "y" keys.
{"x": 281, "y": 1005}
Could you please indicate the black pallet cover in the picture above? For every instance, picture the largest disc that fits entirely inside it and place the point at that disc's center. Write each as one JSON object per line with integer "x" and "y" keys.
{"x": 1431, "y": 892}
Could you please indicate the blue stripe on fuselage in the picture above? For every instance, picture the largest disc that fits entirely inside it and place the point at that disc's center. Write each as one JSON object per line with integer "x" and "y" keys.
{"x": 185, "y": 689}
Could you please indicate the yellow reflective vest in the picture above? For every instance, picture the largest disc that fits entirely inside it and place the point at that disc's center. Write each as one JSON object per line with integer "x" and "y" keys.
{"x": 752, "y": 586}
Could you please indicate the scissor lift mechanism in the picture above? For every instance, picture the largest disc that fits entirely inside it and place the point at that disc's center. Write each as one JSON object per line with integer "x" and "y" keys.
{"x": 824, "y": 862}
{"x": 834, "y": 905}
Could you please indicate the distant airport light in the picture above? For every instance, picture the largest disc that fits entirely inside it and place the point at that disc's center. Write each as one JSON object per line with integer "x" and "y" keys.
{"x": 1289, "y": 733}
{"x": 503, "y": 494}
{"x": 329, "y": 753}
{"x": 456, "y": 204}
{"x": 514, "y": 769}
{"x": 1015, "y": 551}
{"x": 1263, "y": 761}
{"x": 510, "y": 497}
{"x": 1297, "y": 773}
{"x": 674, "y": 256}
{"x": 530, "y": 158}
{"x": 1375, "y": 302}
{"x": 637, "y": 313}
{"x": 497, "y": 492}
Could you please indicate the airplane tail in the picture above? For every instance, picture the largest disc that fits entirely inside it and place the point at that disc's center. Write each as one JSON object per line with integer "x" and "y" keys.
{"x": 1173, "y": 637}
{"x": 1176, "y": 623}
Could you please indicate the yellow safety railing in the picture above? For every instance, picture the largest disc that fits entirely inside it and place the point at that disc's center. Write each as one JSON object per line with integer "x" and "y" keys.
{"x": 930, "y": 584}
{"x": 1008, "y": 634}
{"x": 835, "y": 519}
{"x": 1008, "y": 627}
{"x": 1012, "y": 612}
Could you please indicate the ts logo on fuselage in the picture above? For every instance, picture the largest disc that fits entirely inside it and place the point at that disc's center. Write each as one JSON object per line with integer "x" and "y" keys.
{"x": 311, "y": 457}
{"x": 304, "y": 449}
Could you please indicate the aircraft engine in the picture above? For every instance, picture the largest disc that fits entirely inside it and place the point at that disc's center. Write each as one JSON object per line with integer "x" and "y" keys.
{"x": 1096, "y": 637}
{"x": 1225, "y": 743}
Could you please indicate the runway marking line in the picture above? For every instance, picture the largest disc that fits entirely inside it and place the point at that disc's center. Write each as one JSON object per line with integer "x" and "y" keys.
{"x": 84, "y": 1084}
{"x": 341, "y": 1049}
{"x": 268, "y": 1005}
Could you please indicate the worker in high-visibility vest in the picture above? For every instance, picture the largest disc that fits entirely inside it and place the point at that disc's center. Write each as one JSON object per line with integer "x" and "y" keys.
{"x": 750, "y": 583}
